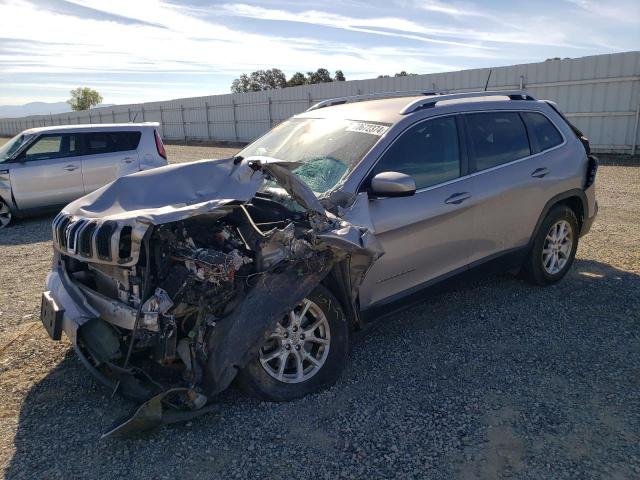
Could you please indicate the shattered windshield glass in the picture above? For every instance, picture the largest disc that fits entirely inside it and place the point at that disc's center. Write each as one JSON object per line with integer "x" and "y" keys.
{"x": 327, "y": 149}
{"x": 12, "y": 146}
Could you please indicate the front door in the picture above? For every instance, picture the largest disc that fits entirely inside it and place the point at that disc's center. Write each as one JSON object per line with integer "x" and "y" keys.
{"x": 48, "y": 173}
{"x": 429, "y": 234}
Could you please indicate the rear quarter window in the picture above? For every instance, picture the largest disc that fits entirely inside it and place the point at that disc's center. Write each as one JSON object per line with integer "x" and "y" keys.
{"x": 543, "y": 131}
{"x": 496, "y": 138}
{"x": 108, "y": 142}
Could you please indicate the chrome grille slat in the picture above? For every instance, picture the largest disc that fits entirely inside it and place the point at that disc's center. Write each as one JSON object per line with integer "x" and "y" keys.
{"x": 90, "y": 239}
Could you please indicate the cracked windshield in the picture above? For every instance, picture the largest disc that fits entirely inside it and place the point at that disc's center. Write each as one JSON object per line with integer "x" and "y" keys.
{"x": 327, "y": 149}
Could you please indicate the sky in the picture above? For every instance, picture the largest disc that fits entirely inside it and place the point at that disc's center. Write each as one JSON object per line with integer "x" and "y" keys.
{"x": 144, "y": 50}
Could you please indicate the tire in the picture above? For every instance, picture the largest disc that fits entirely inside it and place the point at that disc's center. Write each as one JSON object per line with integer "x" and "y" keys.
{"x": 5, "y": 214}
{"x": 554, "y": 247}
{"x": 259, "y": 377}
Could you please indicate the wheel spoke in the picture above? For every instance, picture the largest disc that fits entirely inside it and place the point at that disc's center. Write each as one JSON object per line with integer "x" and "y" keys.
{"x": 270, "y": 356}
{"x": 314, "y": 339}
{"x": 299, "y": 365}
{"x": 284, "y": 356}
{"x": 312, "y": 359}
{"x": 306, "y": 303}
{"x": 309, "y": 331}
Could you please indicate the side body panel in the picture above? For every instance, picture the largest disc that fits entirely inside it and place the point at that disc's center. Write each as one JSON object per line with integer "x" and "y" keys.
{"x": 42, "y": 183}
{"x": 423, "y": 238}
{"x": 102, "y": 168}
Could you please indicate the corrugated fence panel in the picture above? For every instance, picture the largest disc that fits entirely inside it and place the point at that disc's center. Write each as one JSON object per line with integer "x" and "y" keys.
{"x": 600, "y": 94}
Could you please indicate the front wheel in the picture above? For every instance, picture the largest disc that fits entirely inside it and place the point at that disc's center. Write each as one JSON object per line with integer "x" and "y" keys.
{"x": 304, "y": 354}
{"x": 5, "y": 214}
{"x": 554, "y": 247}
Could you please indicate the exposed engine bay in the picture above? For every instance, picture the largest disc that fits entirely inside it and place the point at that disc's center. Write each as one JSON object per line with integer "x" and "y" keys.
{"x": 183, "y": 300}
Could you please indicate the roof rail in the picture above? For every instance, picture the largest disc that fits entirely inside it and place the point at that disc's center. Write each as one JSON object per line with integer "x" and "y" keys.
{"x": 432, "y": 101}
{"x": 371, "y": 96}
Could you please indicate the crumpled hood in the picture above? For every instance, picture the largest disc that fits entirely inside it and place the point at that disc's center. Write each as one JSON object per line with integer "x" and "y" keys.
{"x": 177, "y": 192}
{"x": 171, "y": 193}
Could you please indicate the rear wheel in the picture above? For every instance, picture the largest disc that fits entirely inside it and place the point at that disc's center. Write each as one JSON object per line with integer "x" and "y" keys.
{"x": 304, "y": 354}
{"x": 5, "y": 214}
{"x": 554, "y": 247}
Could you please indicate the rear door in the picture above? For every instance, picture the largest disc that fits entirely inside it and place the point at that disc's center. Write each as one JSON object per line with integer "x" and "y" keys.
{"x": 514, "y": 170}
{"x": 429, "y": 234}
{"x": 107, "y": 156}
{"x": 48, "y": 173}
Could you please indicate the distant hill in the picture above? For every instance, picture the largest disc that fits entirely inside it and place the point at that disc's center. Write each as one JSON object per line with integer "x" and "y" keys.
{"x": 36, "y": 108}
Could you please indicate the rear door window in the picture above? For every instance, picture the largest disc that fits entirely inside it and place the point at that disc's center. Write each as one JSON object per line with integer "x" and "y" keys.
{"x": 544, "y": 134}
{"x": 496, "y": 138}
{"x": 428, "y": 151}
{"x": 52, "y": 146}
{"x": 109, "y": 142}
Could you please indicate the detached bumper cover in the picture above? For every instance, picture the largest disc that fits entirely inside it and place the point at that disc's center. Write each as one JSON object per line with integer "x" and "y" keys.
{"x": 588, "y": 222}
{"x": 66, "y": 294}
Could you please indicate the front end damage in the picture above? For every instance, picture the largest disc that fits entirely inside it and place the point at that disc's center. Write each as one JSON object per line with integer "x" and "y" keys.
{"x": 167, "y": 282}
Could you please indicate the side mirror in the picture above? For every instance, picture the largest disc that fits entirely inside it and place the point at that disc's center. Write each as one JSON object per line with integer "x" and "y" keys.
{"x": 392, "y": 184}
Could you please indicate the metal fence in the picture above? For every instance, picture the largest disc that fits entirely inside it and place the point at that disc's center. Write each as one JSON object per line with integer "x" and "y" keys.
{"x": 600, "y": 94}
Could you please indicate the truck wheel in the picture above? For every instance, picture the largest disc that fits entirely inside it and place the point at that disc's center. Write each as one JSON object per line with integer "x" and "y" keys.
{"x": 554, "y": 247}
{"x": 305, "y": 353}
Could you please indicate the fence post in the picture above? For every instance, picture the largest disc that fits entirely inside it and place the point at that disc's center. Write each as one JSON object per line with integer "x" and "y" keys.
{"x": 235, "y": 123}
{"x": 161, "y": 122}
{"x": 142, "y": 109}
{"x": 308, "y": 99}
{"x": 113, "y": 115}
{"x": 635, "y": 131}
{"x": 129, "y": 114}
{"x": 184, "y": 127}
{"x": 206, "y": 116}
{"x": 100, "y": 117}
{"x": 269, "y": 111}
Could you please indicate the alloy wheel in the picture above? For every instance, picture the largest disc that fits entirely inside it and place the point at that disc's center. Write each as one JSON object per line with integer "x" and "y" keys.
{"x": 298, "y": 347}
{"x": 557, "y": 247}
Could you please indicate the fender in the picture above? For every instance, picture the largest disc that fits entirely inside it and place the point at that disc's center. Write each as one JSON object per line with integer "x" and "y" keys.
{"x": 576, "y": 192}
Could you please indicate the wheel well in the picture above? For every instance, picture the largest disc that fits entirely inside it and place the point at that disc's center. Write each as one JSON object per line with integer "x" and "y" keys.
{"x": 575, "y": 204}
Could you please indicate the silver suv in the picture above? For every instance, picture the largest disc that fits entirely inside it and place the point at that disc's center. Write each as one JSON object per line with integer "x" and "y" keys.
{"x": 258, "y": 267}
{"x": 46, "y": 168}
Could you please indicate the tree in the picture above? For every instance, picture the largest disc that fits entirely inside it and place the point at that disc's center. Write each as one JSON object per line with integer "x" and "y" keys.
{"x": 83, "y": 98}
{"x": 259, "y": 80}
{"x": 275, "y": 78}
{"x": 399, "y": 74}
{"x": 404, "y": 74}
{"x": 296, "y": 79}
{"x": 321, "y": 75}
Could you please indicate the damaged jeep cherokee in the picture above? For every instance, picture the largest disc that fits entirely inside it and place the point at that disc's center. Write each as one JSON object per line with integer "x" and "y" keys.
{"x": 174, "y": 282}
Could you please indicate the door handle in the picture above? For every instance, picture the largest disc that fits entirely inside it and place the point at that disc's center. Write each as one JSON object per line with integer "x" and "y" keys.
{"x": 127, "y": 159}
{"x": 458, "y": 198}
{"x": 540, "y": 172}
{"x": 70, "y": 168}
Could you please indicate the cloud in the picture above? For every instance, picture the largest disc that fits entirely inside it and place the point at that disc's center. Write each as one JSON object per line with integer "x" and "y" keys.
{"x": 624, "y": 11}
{"x": 183, "y": 50}
{"x": 469, "y": 38}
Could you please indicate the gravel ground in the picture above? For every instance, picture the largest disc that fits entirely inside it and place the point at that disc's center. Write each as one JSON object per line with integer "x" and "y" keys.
{"x": 490, "y": 379}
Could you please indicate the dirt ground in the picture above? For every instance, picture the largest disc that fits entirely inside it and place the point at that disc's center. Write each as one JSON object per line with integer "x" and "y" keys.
{"x": 491, "y": 379}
